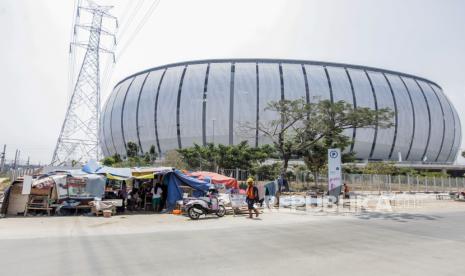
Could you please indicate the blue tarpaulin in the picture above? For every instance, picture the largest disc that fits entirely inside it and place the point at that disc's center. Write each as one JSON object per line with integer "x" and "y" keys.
{"x": 271, "y": 186}
{"x": 174, "y": 180}
{"x": 122, "y": 172}
{"x": 91, "y": 167}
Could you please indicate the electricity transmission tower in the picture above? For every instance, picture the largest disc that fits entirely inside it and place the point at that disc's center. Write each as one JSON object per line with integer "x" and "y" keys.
{"x": 79, "y": 135}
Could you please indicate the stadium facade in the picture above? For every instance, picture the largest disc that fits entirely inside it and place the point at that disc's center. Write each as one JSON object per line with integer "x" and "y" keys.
{"x": 177, "y": 105}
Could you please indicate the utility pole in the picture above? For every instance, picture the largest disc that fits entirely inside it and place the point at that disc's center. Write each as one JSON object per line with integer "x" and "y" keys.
{"x": 2, "y": 160}
{"x": 18, "y": 161}
{"x": 16, "y": 158}
{"x": 79, "y": 136}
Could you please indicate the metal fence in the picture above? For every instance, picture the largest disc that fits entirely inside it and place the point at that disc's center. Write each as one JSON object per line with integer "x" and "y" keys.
{"x": 240, "y": 175}
{"x": 365, "y": 182}
{"x": 403, "y": 183}
{"x": 13, "y": 174}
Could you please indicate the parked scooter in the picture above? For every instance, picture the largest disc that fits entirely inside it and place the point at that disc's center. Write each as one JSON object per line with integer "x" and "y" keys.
{"x": 210, "y": 204}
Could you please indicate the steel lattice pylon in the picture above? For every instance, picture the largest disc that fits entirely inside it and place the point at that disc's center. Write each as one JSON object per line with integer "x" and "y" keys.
{"x": 79, "y": 139}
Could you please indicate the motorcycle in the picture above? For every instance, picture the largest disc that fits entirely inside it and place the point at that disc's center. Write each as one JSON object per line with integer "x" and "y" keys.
{"x": 205, "y": 205}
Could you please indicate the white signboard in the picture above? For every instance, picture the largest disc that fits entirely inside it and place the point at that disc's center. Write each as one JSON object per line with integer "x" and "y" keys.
{"x": 27, "y": 184}
{"x": 237, "y": 200}
{"x": 334, "y": 169}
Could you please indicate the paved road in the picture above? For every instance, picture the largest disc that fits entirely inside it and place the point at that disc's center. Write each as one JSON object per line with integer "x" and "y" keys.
{"x": 374, "y": 244}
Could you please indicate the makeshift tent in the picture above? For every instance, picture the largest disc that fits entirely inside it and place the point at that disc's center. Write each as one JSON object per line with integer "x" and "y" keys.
{"x": 215, "y": 178}
{"x": 59, "y": 185}
{"x": 77, "y": 184}
{"x": 175, "y": 179}
{"x": 121, "y": 172}
{"x": 148, "y": 173}
{"x": 14, "y": 202}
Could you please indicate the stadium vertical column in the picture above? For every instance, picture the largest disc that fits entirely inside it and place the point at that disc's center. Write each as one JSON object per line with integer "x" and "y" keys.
{"x": 307, "y": 91}
{"x": 111, "y": 118}
{"x": 204, "y": 107}
{"x": 457, "y": 136}
{"x": 104, "y": 117}
{"x": 115, "y": 118}
{"x": 258, "y": 105}
{"x": 443, "y": 122}
{"x": 231, "y": 105}
{"x": 454, "y": 128}
{"x": 429, "y": 120}
{"x": 354, "y": 99}
{"x": 156, "y": 111}
{"x": 122, "y": 114}
{"x": 281, "y": 79}
{"x": 178, "y": 109}
{"x": 413, "y": 114}
{"x": 376, "y": 108}
{"x": 329, "y": 85}
{"x": 137, "y": 113}
{"x": 395, "y": 114}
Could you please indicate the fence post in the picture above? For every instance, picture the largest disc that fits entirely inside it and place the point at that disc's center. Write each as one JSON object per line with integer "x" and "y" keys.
{"x": 390, "y": 183}
{"x": 442, "y": 184}
{"x": 417, "y": 184}
{"x": 456, "y": 184}
{"x": 426, "y": 184}
{"x": 408, "y": 182}
{"x": 398, "y": 180}
{"x": 449, "y": 184}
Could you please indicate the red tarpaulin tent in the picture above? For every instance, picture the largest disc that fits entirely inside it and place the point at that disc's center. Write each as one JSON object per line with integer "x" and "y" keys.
{"x": 216, "y": 178}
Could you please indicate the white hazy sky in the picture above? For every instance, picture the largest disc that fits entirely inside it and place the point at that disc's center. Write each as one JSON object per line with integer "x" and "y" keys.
{"x": 421, "y": 37}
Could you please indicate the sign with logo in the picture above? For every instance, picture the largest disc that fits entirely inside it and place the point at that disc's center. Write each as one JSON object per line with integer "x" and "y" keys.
{"x": 237, "y": 200}
{"x": 334, "y": 169}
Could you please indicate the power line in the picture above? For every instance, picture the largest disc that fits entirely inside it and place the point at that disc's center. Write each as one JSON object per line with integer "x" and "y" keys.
{"x": 126, "y": 25}
{"x": 73, "y": 39}
{"x": 110, "y": 67}
{"x": 139, "y": 27}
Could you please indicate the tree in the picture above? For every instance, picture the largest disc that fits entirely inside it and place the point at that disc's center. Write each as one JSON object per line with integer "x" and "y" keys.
{"x": 153, "y": 153}
{"x": 268, "y": 171}
{"x": 242, "y": 156}
{"x": 174, "y": 159}
{"x": 212, "y": 157}
{"x": 202, "y": 157}
{"x": 117, "y": 158}
{"x": 132, "y": 149}
{"x": 325, "y": 127}
{"x": 147, "y": 158}
{"x": 386, "y": 168}
{"x": 74, "y": 163}
{"x": 309, "y": 129}
{"x": 108, "y": 161}
{"x": 280, "y": 132}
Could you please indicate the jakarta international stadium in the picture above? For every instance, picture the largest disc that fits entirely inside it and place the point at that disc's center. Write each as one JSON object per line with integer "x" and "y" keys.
{"x": 177, "y": 105}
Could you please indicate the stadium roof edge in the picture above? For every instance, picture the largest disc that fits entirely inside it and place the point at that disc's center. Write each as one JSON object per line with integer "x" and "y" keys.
{"x": 289, "y": 61}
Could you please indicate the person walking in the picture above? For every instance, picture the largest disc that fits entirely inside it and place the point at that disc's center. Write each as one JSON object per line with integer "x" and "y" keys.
{"x": 346, "y": 191}
{"x": 252, "y": 197}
